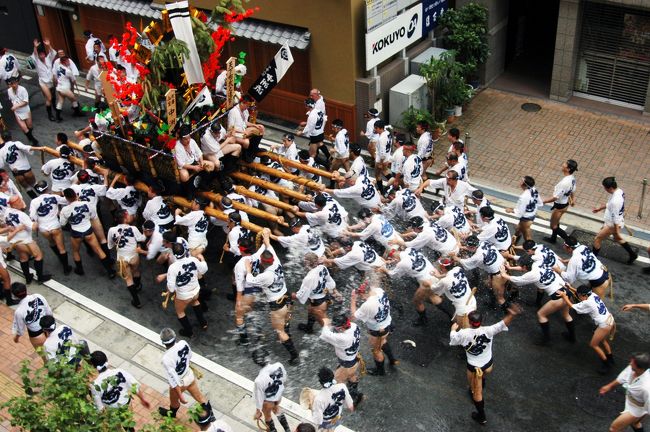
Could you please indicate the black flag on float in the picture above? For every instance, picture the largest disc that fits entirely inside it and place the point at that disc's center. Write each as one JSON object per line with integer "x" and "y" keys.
{"x": 272, "y": 74}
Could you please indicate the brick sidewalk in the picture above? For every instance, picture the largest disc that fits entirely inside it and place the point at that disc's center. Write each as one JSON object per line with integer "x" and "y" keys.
{"x": 14, "y": 354}
{"x": 508, "y": 143}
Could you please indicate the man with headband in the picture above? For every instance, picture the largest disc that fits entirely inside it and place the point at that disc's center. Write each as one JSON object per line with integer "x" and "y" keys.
{"x": 270, "y": 277}
{"x": 180, "y": 376}
{"x": 635, "y": 378}
{"x": 327, "y": 407}
{"x": 563, "y": 197}
{"x": 526, "y": 210}
{"x": 544, "y": 278}
{"x": 376, "y": 228}
{"x": 330, "y": 216}
{"x": 268, "y": 390}
{"x": 375, "y": 313}
{"x": 183, "y": 279}
{"x": 479, "y": 200}
{"x": 453, "y": 283}
{"x": 113, "y": 387}
{"x": 60, "y": 342}
{"x": 244, "y": 291}
{"x": 428, "y": 234}
{"x": 27, "y": 316}
{"x": 359, "y": 255}
{"x": 404, "y": 205}
{"x": 584, "y": 266}
{"x": 614, "y": 220}
{"x": 360, "y": 189}
{"x": 454, "y": 189}
{"x": 477, "y": 342}
{"x": 589, "y": 303}
{"x": 345, "y": 337}
{"x": 305, "y": 239}
{"x": 487, "y": 258}
{"x": 317, "y": 288}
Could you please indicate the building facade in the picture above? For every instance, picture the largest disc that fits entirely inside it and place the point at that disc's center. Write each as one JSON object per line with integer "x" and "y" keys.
{"x": 560, "y": 49}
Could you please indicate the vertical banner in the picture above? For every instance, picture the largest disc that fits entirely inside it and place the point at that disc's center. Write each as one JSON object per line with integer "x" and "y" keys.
{"x": 203, "y": 98}
{"x": 170, "y": 103}
{"x": 179, "y": 17}
{"x": 272, "y": 74}
{"x": 230, "y": 82}
{"x": 432, "y": 11}
{"x": 111, "y": 101}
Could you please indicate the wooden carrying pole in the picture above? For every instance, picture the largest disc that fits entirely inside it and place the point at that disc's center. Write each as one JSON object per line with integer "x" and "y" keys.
{"x": 253, "y": 211}
{"x": 180, "y": 201}
{"x": 296, "y": 164}
{"x": 285, "y": 175}
{"x": 241, "y": 190}
{"x": 271, "y": 186}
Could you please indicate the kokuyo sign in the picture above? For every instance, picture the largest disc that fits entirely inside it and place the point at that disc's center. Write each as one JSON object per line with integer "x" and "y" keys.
{"x": 393, "y": 36}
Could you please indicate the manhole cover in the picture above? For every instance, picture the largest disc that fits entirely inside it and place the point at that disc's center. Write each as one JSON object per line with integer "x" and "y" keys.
{"x": 531, "y": 107}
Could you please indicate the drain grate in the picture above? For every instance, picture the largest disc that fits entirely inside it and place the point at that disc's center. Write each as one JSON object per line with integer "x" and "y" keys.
{"x": 531, "y": 107}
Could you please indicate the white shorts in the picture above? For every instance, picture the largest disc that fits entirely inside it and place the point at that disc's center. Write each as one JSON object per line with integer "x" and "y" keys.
{"x": 201, "y": 243}
{"x": 341, "y": 156}
{"x": 24, "y": 115}
{"x": 48, "y": 84}
{"x": 608, "y": 322}
{"x": 382, "y": 158}
{"x": 611, "y": 224}
{"x": 188, "y": 379}
{"x": 49, "y": 228}
{"x": 188, "y": 295}
{"x": 126, "y": 256}
{"x": 463, "y": 309}
{"x": 634, "y": 409}
{"x": 413, "y": 187}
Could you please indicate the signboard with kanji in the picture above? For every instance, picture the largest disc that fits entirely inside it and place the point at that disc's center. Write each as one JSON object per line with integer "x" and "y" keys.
{"x": 272, "y": 74}
{"x": 432, "y": 10}
{"x": 170, "y": 102}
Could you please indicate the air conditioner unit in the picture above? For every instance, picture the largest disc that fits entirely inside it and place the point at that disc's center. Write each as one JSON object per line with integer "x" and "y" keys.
{"x": 424, "y": 58}
{"x": 410, "y": 92}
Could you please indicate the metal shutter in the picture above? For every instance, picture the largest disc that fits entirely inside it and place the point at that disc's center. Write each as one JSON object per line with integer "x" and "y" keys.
{"x": 614, "y": 55}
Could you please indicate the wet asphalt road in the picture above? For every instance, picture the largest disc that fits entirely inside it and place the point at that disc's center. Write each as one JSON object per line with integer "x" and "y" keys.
{"x": 531, "y": 389}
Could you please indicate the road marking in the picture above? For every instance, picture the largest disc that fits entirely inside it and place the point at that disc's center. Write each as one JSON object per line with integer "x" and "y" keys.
{"x": 537, "y": 225}
{"x": 154, "y": 338}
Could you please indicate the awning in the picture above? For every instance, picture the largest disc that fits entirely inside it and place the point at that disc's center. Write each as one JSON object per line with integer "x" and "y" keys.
{"x": 134, "y": 7}
{"x": 273, "y": 33}
{"x": 56, "y": 4}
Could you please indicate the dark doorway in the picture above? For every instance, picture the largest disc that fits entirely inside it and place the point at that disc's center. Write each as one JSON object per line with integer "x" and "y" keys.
{"x": 530, "y": 46}
{"x": 18, "y": 24}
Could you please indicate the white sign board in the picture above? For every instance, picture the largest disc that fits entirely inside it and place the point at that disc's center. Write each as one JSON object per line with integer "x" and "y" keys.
{"x": 393, "y": 36}
{"x": 379, "y": 12}
{"x": 403, "y": 4}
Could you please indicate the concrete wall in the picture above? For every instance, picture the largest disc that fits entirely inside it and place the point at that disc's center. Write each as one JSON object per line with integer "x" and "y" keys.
{"x": 566, "y": 46}
{"x": 567, "y": 43}
{"x": 334, "y": 50}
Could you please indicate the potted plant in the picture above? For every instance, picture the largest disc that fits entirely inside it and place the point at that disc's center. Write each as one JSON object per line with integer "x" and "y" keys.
{"x": 412, "y": 116}
{"x": 452, "y": 87}
{"x": 465, "y": 30}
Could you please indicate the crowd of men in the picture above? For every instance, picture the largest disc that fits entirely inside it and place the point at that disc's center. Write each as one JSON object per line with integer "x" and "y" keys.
{"x": 441, "y": 245}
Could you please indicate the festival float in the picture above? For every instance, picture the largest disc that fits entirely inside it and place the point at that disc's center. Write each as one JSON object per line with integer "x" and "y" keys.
{"x": 176, "y": 61}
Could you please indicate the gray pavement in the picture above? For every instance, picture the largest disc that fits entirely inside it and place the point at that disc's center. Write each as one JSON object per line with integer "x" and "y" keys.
{"x": 532, "y": 388}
